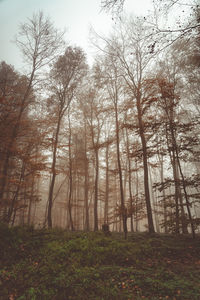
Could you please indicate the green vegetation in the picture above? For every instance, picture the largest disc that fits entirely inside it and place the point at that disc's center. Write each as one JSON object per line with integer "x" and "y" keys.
{"x": 60, "y": 265}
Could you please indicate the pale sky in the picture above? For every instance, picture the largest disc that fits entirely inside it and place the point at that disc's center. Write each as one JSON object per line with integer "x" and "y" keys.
{"x": 77, "y": 16}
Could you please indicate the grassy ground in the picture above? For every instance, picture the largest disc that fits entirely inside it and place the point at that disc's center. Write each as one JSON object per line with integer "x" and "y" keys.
{"x": 59, "y": 265}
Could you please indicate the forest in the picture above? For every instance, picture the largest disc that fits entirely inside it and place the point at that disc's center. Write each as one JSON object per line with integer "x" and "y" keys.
{"x": 112, "y": 145}
{"x": 100, "y": 162}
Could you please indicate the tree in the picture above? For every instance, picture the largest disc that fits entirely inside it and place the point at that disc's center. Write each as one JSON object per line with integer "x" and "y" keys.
{"x": 162, "y": 29}
{"x": 115, "y": 6}
{"x": 95, "y": 123}
{"x": 169, "y": 102}
{"x": 65, "y": 77}
{"x": 18, "y": 157}
{"x": 39, "y": 43}
{"x": 130, "y": 47}
{"x": 83, "y": 154}
{"x": 114, "y": 89}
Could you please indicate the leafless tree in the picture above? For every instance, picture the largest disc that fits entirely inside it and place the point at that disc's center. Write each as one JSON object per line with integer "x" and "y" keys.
{"x": 65, "y": 77}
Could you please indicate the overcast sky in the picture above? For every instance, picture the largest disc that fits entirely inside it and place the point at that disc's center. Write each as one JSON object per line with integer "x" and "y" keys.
{"x": 75, "y": 15}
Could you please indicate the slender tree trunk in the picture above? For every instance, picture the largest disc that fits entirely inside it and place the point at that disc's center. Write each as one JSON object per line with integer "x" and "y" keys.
{"x": 145, "y": 166}
{"x": 86, "y": 183}
{"x": 156, "y": 217}
{"x": 183, "y": 216}
{"x": 33, "y": 214}
{"x": 176, "y": 183}
{"x": 70, "y": 180}
{"x": 25, "y": 203}
{"x": 123, "y": 208}
{"x": 78, "y": 203}
{"x": 86, "y": 187}
{"x": 13, "y": 218}
{"x": 163, "y": 192}
{"x": 107, "y": 186}
{"x": 136, "y": 196}
{"x": 129, "y": 179}
{"x": 53, "y": 170}
{"x": 30, "y": 201}
{"x": 96, "y": 186}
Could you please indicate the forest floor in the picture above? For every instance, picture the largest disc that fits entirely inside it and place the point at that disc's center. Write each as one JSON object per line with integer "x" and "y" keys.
{"x": 61, "y": 265}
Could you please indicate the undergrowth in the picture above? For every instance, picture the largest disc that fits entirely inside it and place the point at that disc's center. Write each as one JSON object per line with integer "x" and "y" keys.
{"x": 61, "y": 265}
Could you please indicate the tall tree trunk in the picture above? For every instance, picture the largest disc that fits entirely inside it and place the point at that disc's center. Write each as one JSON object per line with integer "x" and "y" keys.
{"x": 160, "y": 157}
{"x": 123, "y": 208}
{"x": 145, "y": 166}
{"x": 70, "y": 180}
{"x": 96, "y": 186}
{"x": 136, "y": 196}
{"x": 156, "y": 218}
{"x": 183, "y": 218}
{"x": 86, "y": 182}
{"x": 107, "y": 186}
{"x": 31, "y": 201}
{"x": 176, "y": 182}
{"x": 86, "y": 188}
{"x": 53, "y": 170}
{"x": 129, "y": 179}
